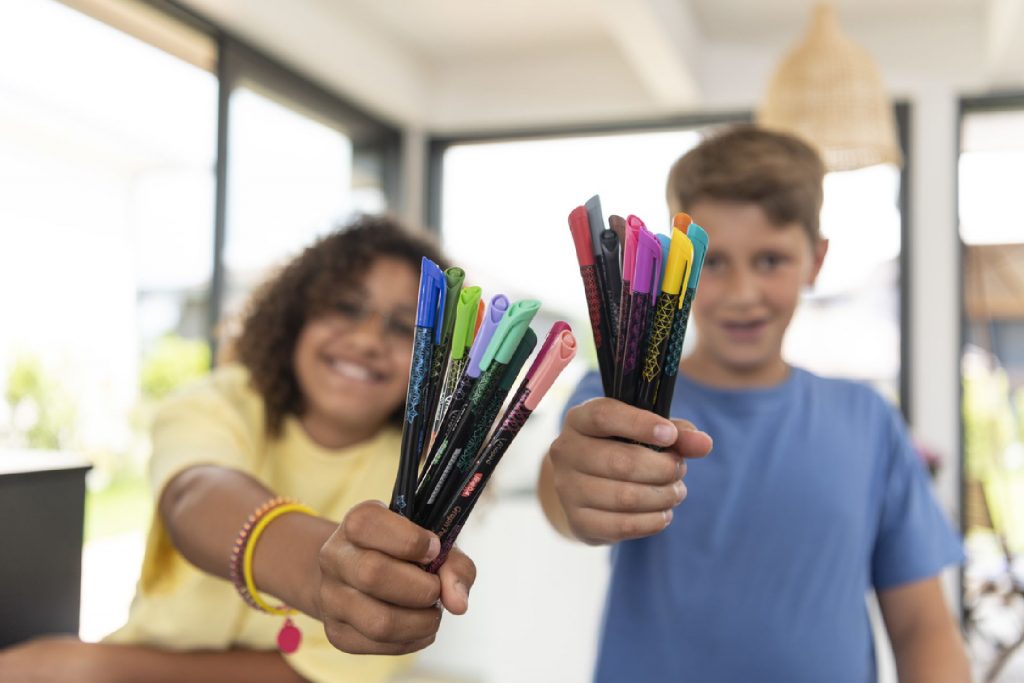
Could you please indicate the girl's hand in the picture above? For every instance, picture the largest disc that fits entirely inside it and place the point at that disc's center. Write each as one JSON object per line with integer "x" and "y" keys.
{"x": 374, "y": 597}
{"x": 613, "y": 490}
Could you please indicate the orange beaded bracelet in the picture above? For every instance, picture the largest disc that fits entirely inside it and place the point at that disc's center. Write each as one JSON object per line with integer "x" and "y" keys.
{"x": 240, "y": 568}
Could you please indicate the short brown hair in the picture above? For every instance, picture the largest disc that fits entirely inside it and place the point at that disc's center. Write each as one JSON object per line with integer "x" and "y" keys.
{"x": 779, "y": 172}
{"x": 305, "y": 289}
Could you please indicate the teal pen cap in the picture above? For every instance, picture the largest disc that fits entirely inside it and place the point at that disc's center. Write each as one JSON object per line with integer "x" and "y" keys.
{"x": 510, "y": 332}
{"x": 699, "y": 238}
{"x": 665, "y": 241}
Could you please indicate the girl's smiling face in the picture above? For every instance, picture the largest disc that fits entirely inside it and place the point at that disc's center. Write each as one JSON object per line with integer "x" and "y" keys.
{"x": 352, "y": 363}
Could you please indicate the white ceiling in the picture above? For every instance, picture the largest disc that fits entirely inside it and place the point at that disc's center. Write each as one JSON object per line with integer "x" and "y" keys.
{"x": 442, "y": 30}
{"x": 455, "y": 65}
{"x": 732, "y": 19}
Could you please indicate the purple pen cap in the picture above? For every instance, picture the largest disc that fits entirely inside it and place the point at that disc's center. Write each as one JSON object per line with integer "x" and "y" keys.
{"x": 648, "y": 263}
{"x": 433, "y": 287}
{"x": 633, "y": 228}
{"x": 556, "y": 329}
{"x": 495, "y": 312}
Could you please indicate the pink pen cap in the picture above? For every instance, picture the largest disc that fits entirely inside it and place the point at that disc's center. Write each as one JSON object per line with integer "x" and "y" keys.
{"x": 561, "y": 351}
{"x": 634, "y": 226}
{"x": 579, "y": 226}
{"x": 553, "y": 333}
{"x": 648, "y": 264}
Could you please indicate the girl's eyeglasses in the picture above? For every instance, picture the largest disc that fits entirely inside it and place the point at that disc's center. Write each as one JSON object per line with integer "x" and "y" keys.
{"x": 395, "y": 327}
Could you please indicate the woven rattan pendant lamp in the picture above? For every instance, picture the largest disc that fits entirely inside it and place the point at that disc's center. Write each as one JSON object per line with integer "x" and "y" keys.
{"x": 829, "y": 91}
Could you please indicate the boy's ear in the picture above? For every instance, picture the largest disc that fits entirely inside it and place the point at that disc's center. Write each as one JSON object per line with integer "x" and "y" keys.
{"x": 818, "y": 252}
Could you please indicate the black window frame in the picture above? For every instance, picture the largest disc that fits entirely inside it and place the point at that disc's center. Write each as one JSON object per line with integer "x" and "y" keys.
{"x": 376, "y": 143}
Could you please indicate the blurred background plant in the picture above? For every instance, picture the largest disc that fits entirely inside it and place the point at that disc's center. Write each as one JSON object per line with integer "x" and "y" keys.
{"x": 39, "y": 414}
{"x": 993, "y": 419}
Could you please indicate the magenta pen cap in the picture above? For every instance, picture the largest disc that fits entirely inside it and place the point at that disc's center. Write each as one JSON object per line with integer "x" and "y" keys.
{"x": 556, "y": 329}
{"x": 648, "y": 263}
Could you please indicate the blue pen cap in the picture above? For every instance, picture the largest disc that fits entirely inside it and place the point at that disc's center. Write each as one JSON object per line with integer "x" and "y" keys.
{"x": 666, "y": 242}
{"x": 700, "y": 248}
{"x": 433, "y": 288}
{"x": 492, "y": 317}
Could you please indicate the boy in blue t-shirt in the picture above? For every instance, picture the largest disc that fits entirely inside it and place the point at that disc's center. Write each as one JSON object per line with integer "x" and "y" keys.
{"x": 813, "y": 496}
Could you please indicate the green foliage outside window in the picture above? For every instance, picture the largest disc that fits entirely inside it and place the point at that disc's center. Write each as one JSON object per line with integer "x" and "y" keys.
{"x": 40, "y": 413}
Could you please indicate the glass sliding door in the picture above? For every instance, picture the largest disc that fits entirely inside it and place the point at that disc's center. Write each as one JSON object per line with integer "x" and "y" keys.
{"x": 992, "y": 379}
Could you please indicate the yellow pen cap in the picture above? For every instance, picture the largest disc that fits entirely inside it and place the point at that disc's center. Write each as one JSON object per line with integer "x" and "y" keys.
{"x": 680, "y": 258}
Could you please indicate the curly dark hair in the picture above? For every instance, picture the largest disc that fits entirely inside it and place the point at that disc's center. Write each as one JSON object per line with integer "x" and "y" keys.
{"x": 304, "y": 289}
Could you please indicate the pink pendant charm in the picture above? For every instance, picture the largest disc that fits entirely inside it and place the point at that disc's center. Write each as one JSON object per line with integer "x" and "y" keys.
{"x": 289, "y": 637}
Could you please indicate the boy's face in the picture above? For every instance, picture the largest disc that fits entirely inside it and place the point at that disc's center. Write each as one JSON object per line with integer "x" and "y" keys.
{"x": 749, "y": 288}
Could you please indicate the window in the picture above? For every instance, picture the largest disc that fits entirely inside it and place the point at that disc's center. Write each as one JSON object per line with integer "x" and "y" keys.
{"x": 288, "y": 181}
{"x": 992, "y": 376}
{"x": 299, "y": 163}
{"x": 106, "y": 215}
{"x": 118, "y": 254}
{"x": 849, "y": 324}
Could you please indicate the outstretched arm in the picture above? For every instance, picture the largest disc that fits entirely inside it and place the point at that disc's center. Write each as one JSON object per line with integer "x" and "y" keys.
{"x": 58, "y": 659}
{"x": 361, "y": 578}
{"x": 924, "y": 637}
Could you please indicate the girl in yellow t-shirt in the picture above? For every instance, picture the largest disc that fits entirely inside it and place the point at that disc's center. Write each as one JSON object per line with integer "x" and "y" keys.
{"x": 311, "y": 411}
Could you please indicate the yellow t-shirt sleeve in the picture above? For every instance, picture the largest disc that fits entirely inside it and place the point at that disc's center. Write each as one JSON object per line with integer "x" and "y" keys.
{"x": 201, "y": 426}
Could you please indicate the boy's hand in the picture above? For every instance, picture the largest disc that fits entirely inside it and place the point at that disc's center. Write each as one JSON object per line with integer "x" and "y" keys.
{"x": 374, "y": 597}
{"x": 611, "y": 490}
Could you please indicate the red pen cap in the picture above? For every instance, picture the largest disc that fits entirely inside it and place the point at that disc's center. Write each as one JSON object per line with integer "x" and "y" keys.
{"x": 561, "y": 351}
{"x": 579, "y": 226}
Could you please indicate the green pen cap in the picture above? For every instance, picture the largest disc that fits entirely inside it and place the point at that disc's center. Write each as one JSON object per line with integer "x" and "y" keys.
{"x": 523, "y": 351}
{"x": 453, "y": 279}
{"x": 465, "y": 321}
{"x": 510, "y": 332}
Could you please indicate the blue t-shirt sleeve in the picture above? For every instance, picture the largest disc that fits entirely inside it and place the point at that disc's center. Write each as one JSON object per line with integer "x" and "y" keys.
{"x": 589, "y": 387}
{"x": 914, "y": 540}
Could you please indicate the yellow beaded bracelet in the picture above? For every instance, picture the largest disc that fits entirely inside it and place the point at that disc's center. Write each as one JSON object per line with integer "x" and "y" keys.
{"x": 250, "y": 550}
{"x": 289, "y": 637}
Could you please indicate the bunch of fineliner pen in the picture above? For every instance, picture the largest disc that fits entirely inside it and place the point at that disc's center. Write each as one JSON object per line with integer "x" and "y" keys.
{"x": 466, "y": 358}
{"x": 639, "y": 287}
